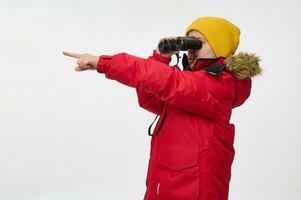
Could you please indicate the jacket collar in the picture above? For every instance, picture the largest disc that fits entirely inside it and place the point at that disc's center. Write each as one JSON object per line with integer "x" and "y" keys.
{"x": 201, "y": 63}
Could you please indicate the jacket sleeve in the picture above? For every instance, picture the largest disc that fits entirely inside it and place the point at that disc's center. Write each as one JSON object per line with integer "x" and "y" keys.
{"x": 147, "y": 100}
{"x": 184, "y": 89}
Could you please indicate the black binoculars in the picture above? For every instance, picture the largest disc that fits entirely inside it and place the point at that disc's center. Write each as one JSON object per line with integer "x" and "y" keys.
{"x": 179, "y": 44}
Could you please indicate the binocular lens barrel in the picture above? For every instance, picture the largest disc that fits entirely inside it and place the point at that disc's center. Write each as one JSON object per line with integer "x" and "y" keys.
{"x": 179, "y": 44}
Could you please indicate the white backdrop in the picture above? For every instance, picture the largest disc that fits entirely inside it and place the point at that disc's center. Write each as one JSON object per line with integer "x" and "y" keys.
{"x": 67, "y": 135}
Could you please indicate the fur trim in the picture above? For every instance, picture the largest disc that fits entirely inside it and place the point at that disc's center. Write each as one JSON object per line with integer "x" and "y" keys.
{"x": 243, "y": 65}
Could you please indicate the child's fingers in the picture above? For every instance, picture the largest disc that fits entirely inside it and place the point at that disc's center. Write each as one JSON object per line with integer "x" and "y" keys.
{"x": 73, "y": 55}
{"x": 78, "y": 69}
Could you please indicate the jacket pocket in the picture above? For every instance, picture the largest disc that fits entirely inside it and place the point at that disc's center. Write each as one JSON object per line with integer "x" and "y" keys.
{"x": 178, "y": 172}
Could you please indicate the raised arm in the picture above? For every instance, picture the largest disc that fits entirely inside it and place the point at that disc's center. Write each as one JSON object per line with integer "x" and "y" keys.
{"x": 147, "y": 100}
{"x": 185, "y": 89}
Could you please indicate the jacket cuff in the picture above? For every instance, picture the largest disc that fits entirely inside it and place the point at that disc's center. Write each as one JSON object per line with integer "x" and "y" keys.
{"x": 103, "y": 63}
{"x": 160, "y": 58}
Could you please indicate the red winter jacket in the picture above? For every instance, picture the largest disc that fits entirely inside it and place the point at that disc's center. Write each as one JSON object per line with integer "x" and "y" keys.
{"x": 191, "y": 156}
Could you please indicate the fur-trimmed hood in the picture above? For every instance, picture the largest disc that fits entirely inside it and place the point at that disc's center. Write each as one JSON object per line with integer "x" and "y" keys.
{"x": 243, "y": 65}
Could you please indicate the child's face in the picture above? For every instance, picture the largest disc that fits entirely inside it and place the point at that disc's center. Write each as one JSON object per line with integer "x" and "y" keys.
{"x": 205, "y": 52}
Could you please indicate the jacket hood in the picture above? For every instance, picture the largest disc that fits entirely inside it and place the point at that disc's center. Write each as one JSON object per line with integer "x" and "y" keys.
{"x": 243, "y": 65}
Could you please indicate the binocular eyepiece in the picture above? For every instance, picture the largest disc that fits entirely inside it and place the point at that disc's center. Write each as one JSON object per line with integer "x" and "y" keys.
{"x": 179, "y": 44}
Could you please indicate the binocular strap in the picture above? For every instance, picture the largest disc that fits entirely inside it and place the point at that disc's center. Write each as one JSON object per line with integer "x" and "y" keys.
{"x": 160, "y": 122}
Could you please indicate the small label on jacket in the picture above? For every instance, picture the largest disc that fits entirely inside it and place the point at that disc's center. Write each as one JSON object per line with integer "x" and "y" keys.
{"x": 158, "y": 188}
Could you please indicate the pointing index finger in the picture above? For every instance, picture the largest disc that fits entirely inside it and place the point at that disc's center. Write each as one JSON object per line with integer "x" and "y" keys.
{"x": 74, "y": 55}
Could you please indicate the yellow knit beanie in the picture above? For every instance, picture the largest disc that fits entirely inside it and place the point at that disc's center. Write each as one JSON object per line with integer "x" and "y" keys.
{"x": 222, "y": 35}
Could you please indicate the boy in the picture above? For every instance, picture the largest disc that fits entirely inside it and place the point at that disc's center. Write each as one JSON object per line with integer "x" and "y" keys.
{"x": 192, "y": 144}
